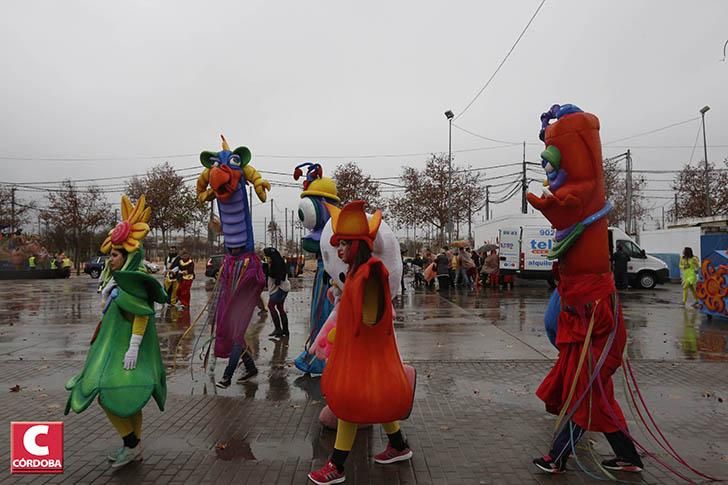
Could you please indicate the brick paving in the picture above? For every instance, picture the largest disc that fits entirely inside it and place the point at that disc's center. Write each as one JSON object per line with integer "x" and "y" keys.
{"x": 474, "y": 422}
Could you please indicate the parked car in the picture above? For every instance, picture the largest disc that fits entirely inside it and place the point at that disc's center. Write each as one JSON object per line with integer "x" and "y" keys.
{"x": 213, "y": 265}
{"x": 95, "y": 266}
{"x": 151, "y": 267}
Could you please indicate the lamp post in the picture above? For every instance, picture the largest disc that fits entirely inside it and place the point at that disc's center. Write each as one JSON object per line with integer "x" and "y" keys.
{"x": 704, "y": 110}
{"x": 449, "y": 115}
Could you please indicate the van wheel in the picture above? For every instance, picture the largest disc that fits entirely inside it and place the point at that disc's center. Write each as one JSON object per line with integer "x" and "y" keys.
{"x": 647, "y": 280}
{"x": 95, "y": 273}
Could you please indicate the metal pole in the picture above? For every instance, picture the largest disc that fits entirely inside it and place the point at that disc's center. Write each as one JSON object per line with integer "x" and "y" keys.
{"x": 250, "y": 195}
{"x": 487, "y": 202}
{"x": 705, "y": 152}
{"x": 12, "y": 210}
{"x": 676, "y": 215}
{"x": 285, "y": 226}
{"x": 628, "y": 177}
{"x": 265, "y": 232}
{"x": 272, "y": 226}
{"x": 524, "y": 186}
{"x": 663, "y": 217}
{"x": 449, "y": 179}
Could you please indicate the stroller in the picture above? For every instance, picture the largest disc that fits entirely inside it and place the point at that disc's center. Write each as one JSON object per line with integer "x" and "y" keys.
{"x": 419, "y": 276}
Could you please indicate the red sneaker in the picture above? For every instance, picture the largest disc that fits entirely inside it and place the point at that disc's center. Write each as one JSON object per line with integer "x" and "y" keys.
{"x": 327, "y": 475}
{"x": 393, "y": 455}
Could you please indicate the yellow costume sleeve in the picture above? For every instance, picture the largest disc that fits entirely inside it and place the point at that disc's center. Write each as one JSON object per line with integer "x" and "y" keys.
{"x": 139, "y": 325}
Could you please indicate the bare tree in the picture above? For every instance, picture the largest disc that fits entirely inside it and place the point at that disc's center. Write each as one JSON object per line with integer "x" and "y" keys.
{"x": 689, "y": 184}
{"x": 16, "y": 214}
{"x": 427, "y": 199}
{"x": 167, "y": 195}
{"x": 75, "y": 215}
{"x": 352, "y": 184}
{"x": 615, "y": 186}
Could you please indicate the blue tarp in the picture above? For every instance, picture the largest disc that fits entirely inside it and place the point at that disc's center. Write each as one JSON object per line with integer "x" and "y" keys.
{"x": 672, "y": 260}
{"x": 713, "y": 242}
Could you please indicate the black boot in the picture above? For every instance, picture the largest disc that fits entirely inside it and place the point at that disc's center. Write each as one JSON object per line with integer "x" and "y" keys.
{"x": 250, "y": 369}
{"x": 276, "y": 324}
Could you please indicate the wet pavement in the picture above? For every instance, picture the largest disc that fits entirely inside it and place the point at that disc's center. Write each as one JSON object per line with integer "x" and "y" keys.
{"x": 479, "y": 358}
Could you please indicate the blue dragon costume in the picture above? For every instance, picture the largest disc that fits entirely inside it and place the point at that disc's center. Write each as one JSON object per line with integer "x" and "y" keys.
{"x": 313, "y": 214}
{"x": 241, "y": 279}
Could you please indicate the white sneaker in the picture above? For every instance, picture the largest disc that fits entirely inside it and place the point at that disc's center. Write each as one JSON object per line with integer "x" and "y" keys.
{"x": 127, "y": 455}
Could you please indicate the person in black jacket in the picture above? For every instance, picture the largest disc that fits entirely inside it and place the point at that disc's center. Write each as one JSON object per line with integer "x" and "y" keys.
{"x": 278, "y": 288}
{"x": 620, "y": 258}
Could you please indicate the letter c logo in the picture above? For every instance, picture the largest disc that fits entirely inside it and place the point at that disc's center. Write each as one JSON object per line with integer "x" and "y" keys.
{"x": 30, "y": 443}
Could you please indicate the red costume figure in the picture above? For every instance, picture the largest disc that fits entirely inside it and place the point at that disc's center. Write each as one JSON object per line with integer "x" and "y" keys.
{"x": 364, "y": 380}
{"x": 590, "y": 333}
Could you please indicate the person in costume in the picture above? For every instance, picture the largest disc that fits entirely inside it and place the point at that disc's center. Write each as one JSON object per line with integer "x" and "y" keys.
{"x": 186, "y": 276}
{"x": 241, "y": 279}
{"x": 364, "y": 380}
{"x": 689, "y": 266}
{"x": 590, "y": 332}
{"x": 124, "y": 364}
{"x": 171, "y": 282}
{"x": 313, "y": 214}
{"x": 278, "y": 288}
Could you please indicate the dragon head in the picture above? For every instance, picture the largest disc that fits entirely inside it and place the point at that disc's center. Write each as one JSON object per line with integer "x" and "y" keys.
{"x": 226, "y": 169}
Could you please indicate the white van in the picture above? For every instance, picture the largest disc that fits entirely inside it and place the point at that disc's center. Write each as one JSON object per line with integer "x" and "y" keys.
{"x": 643, "y": 270}
{"x": 524, "y": 251}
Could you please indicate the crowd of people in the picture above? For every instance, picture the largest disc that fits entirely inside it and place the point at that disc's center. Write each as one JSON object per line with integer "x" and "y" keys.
{"x": 458, "y": 267}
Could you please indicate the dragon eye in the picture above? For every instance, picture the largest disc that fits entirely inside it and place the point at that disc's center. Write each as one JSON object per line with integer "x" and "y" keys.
{"x": 234, "y": 161}
{"x": 308, "y": 213}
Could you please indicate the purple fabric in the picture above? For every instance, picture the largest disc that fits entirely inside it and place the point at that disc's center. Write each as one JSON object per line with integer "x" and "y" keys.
{"x": 240, "y": 288}
{"x": 562, "y": 233}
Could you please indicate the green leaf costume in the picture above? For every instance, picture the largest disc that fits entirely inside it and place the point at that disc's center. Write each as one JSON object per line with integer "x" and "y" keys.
{"x": 123, "y": 392}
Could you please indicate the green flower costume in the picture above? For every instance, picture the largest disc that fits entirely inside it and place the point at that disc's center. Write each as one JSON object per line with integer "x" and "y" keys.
{"x": 123, "y": 392}
{"x": 124, "y": 365}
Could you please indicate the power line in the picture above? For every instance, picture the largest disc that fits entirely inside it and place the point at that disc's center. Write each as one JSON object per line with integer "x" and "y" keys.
{"x": 506, "y": 143}
{"x": 652, "y": 131}
{"x": 487, "y": 83}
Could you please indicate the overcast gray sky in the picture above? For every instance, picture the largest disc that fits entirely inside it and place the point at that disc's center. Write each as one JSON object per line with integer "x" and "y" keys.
{"x": 138, "y": 79}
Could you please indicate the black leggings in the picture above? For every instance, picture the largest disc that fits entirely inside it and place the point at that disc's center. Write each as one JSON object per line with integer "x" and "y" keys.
{"x": 277, "y": 312}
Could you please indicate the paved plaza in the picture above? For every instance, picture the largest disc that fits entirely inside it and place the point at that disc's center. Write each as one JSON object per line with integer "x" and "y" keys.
{"x": 475, "y": 420}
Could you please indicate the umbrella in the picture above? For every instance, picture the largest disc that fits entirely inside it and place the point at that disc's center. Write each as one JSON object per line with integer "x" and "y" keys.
{"x": 486, "y": 248}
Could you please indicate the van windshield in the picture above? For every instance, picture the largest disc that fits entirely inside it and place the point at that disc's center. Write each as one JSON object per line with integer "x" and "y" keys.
{"x": 630, "y": 248}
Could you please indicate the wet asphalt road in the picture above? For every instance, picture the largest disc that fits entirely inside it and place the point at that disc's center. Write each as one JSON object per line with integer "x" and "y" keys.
{"x": 54, "y": 320}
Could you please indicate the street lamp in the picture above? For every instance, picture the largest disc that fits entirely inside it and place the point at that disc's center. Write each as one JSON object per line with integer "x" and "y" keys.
{"x": 449, "y": 115}
{"x": 704, "y": 110}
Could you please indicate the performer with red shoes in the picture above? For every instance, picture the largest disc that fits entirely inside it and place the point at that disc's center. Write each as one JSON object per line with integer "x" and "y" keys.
{"x": 364, "y": 380}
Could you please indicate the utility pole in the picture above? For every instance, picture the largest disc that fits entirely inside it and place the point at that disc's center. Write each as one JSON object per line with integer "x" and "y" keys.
{"x": 265, "y": 232}
{"x": 676, "y": 215}
{"x": 524, "y": 186}
{"x": 663, "y": 217}
{"x": 285, "y": 226}
{"x": 470, "y": 220}
{"x": 272, "y": 226}
{"x": 449, "y": 115}
{"x": 12, "y": 210}
{"x": 487, "y": 202}
{"x": 250, "y": 204}
{"x": 708, "y": 213}
{"x": 628, "y": 178}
